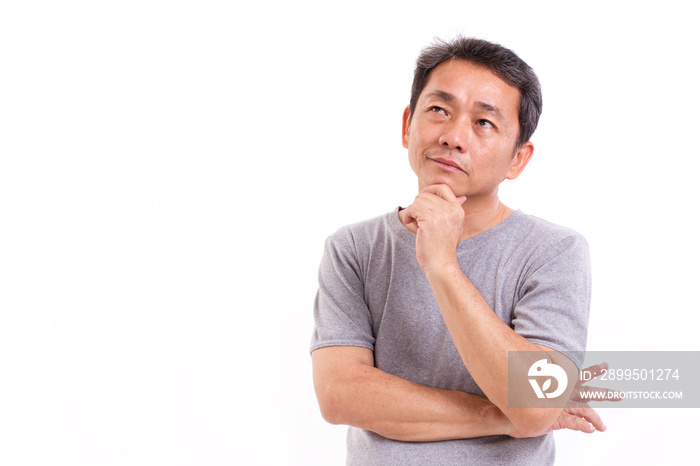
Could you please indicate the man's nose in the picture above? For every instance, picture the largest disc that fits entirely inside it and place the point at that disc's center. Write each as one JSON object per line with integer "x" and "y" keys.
{"x": 455, "y": 136}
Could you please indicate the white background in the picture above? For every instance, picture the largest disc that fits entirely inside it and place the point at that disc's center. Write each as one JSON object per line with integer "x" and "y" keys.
{"x": 171, "y": 169}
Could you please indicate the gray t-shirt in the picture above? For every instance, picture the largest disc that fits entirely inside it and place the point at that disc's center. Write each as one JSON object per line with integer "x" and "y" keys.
{"x": 372, "y": 293}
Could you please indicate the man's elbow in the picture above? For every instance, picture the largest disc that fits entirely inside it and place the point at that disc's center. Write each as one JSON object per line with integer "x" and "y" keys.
{"x": 532, "y": 422}
{"x": 330, "y": 415}
{"x": 329, "y": 411}
{"x": 330, "y": 402}
{"x": 337, "y": 371}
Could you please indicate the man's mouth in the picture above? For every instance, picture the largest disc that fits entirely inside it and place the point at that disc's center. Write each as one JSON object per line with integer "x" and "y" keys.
{"x": 448, "y": 164}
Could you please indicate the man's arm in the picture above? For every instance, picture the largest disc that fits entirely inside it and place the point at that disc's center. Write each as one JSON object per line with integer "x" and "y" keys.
{"x": 350, "y": 390}
{"x": 483, "y": 342}
{"x": 482, "y": 339}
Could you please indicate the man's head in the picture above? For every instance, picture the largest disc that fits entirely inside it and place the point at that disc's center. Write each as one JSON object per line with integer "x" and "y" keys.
{"x": 468, "y": 126}
{"x": 497, "y": 59}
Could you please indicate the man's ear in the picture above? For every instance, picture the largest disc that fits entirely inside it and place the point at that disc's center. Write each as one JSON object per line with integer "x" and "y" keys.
{"x": 520, "y": 160}
{"x": 405, "y": 125}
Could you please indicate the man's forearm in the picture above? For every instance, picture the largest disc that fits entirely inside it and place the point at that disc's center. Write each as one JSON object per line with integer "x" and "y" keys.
{"x": 483, "y": 342}
{"x": 363, "y": 396}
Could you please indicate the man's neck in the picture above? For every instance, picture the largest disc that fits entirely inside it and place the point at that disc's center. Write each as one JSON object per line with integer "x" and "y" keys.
{"x": 482, "y": 215}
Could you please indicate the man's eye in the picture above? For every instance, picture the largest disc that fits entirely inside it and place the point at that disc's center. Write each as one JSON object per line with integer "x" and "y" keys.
{"x": 485, "y": 123}
{"x": 437, "y": 109}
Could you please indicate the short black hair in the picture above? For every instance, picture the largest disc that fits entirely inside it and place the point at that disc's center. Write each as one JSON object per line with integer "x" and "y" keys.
{"x": 501, "y": 61}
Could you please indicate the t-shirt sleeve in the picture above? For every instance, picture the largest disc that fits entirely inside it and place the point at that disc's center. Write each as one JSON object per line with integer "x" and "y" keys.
{"x": 554, "y": 300}
{"x": 341, "y": 315}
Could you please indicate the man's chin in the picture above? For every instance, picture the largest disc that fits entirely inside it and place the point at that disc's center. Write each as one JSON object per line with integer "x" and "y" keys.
{"x": 456, "y": 189}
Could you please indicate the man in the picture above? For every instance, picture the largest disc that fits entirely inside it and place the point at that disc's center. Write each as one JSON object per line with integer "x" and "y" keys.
{"x": 418, "y": 309}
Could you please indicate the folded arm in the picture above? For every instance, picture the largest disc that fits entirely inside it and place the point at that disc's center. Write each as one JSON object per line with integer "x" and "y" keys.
{"x": 350, "y": 390}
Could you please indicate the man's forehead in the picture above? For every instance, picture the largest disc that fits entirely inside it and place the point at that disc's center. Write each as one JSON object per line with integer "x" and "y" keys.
{"x": 465, "y": 72}
{"x": 454, "y": 79}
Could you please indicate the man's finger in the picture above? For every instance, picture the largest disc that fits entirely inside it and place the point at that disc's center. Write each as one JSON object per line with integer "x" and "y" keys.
{"x": 590, "y": 416}
{"x": 407, "y": 218}
{"x": 419, "y": 209}
{"x": 424, "y": 203}
{"x": 582, "y": 425}
{"x": 444, "y": 192}
{"x": 569, "y": 421}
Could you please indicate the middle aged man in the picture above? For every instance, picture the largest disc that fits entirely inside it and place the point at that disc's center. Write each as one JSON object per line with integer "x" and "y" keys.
{"x": 418, "y": 309}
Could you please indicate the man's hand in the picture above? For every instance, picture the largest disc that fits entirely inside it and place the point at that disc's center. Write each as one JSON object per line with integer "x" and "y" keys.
{"x": 577, "y": 415}
{"x": 438, "y": 216}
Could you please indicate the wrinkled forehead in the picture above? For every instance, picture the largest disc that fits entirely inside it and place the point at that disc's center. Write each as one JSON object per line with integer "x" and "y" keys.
{"x": 464, "y": 81}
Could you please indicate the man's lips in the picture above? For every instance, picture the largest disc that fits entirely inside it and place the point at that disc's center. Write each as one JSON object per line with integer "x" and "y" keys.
{"x": 448, "y": 164}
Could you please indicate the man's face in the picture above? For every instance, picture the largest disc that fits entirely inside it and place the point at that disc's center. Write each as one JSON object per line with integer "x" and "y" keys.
{"x": 464, "y": 130}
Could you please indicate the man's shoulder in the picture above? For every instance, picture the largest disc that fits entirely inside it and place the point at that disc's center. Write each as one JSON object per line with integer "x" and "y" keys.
{"x": 542, "y": 229}
{"x": 356, "y": 243}
{"x": 545, "y": 238}
{"x": 367, "y": 230}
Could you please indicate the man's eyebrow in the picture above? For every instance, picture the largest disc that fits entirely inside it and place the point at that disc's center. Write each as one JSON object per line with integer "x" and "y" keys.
{"x": 441, "y": 95}
{"x": 487, "y": 107}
